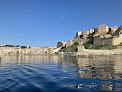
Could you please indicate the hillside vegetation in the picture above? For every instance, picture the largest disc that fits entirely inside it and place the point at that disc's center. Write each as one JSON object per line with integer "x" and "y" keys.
{"x": 72, "y": 48}
{"x": 99, "y": 47}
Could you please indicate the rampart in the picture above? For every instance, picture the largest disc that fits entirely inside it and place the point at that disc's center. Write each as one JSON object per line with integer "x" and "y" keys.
{"x": 115, "y": 40}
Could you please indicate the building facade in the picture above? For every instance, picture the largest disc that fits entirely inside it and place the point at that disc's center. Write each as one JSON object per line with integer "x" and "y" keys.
{"x": 85, "y": 34}
{"x": 61, "y": 44}
{"x": 78, "y": 34}
{"x": 102, "y": 29}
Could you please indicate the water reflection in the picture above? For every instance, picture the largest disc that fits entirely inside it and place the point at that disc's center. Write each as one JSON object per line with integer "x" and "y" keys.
{"x": 103, "y": 73}
{"x": 104, "y": 68}
{"x": 97, "y": 67}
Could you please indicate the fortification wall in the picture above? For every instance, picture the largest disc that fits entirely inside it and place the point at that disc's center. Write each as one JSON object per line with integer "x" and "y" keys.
{"x": 87, "y": 40}
{"x": 117, "y": 40}
{"x": 108, "y": 41}
{"x": 69, "y": 43}
{"x": 120, "y": 27}
{"x": 103, "y": 41}
{"x": 97, "y": 40}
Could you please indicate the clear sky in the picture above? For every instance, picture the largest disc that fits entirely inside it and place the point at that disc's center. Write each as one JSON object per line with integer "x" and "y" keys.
{"x": 45, "y": 22}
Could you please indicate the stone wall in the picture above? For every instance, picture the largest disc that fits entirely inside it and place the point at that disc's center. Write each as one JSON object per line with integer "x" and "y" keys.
{"x": 90, "y": 53}
{"x": 97, "y": 40}
{"x": 87, "y": 40}
{"x": 76, "y": 39}
{"x": 102, "y": 41}
{"x": 120, "y": 27}
{"x": 107, "y": 41}
{"x": 117, "y": 40}
{"x": 51, "y": 50}
{"x": 119, "y": 47}
{"x": 69, "y": 43}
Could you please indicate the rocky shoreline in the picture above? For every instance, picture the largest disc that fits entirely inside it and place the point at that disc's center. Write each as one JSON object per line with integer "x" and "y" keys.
{"x": 95, "y": 53}
{"x": 84, "y": 53}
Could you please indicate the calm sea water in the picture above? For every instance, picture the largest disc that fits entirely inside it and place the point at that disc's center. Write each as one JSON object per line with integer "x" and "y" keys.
{"x": 26, "y": 73}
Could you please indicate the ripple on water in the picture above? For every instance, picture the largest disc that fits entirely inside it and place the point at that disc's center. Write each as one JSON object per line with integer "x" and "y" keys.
{"x": 65, "y": 75}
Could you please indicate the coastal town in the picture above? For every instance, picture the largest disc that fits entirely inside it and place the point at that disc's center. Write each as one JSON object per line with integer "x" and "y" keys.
{"x": 61, "y": 46}
{"x": 102, "y": 35}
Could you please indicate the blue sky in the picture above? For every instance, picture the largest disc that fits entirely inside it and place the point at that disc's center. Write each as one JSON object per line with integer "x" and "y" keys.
{"x": 45, "y": 22}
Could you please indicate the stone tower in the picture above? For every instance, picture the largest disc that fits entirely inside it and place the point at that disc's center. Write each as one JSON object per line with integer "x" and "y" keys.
{"x": 80, "y": 46}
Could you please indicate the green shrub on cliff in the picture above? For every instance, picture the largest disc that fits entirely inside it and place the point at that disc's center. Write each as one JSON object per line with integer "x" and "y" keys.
{"x": 72, "y": 48}
{"x": 118, "y": 30}
{"x": 87, "y": 45}
{"x": 89, "y": 37}
{"x": 120, "y": 44}
{"x": 99, "y": 47}
{"x": 103, "y": 47}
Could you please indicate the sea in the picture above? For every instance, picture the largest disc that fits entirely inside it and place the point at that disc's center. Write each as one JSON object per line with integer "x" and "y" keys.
{"x": 60, "y": 73}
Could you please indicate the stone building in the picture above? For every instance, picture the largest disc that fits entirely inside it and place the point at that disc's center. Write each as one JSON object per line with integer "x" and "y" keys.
{"x": 102, "y": 29}
{"x": 2, "y": 45}
{"x": 100, "y": 36}
{"x": 30, "y": 50}
{"x": 85, "y": 34}
{"x": 35, "y": 50}
{"x": 48, "y": 49}
{"x": 78, "y": 34}
{"x": 91, "y": 31}
{"x": 61, "y": 44}
{"x": 45, "y": 49}
{"x": 113, "y": 29}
